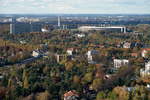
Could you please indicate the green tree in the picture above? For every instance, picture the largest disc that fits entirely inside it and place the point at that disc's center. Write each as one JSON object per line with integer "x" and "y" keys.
{"x": 96, "y": 83}
{"x": 88, "y": 77}
{"x": 100, "y": 96}
{"x": 43, "y": 96}
{"x": 25, "y": 79}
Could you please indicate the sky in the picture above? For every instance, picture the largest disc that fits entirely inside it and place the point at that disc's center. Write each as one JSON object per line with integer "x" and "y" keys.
{"x": 74, "y": 6}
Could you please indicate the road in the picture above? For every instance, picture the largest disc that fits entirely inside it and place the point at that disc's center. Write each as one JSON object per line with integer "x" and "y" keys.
{"x": 24, "y": 61}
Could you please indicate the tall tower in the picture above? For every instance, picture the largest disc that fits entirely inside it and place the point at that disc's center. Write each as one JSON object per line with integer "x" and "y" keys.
{"x": 31, "y": 27}
{"x": 58, "y": 21}
{"x": 12, "y": 26}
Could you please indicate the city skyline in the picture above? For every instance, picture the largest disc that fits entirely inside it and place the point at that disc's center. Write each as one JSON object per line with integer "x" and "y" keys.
{"x": 74, "y": 7}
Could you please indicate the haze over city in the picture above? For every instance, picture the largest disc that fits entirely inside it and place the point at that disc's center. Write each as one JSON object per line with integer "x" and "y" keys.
{"x": 75, "y": 6}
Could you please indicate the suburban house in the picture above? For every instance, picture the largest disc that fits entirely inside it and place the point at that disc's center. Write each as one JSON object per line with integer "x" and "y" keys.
{"x": 120, "y": 62}
{"x": 80, "y": 35}
{"x": 71, "y": 95}
{"x": 90, "y": 55}
{"x": 137, "y": 33}
{"x": 35, "y": 53}
{"x": 145, "y": 52}
{"x": 38, "y": 52}
{"x": 108, "y": 76}
{"x": 134, "y": 55}
{"x": 23, "y": 42}
{"x": 71, "y": 51}
{"x": 60, "y": 58}
{"x": 127, "y": 45}
{"x": 146, "y": 71}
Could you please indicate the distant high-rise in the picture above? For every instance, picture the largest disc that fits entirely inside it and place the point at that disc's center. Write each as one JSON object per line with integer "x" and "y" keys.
{"x": 12, "y": 25}
{"x": 58, "y": 21}
{"x": 17, "y": 28}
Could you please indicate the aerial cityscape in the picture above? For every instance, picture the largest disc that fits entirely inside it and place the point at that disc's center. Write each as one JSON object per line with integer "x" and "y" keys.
{"x": 74, "y": 50}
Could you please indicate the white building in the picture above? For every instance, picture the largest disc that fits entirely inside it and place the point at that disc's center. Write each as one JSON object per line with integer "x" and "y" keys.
{"x": 146, "y": 70}
{"x": 145, "y": 52}
{"x": 1, "y": 76}
{"x": 89, "y": 28}
{"x": 148, "y": 86}
{"x": 120, "y": 62}
{"x": 35, "y": 53}
{"x": 80, "y": 35}
{"x": 147, "y": 66}
{"x": 90, "y": 55}
{"x": 60, "y": 58}
{"x": 44, "y": 30}
{"x": 127, "y": 45}
{"x": 70, "y": 51}
{"x": 23, "y": 42}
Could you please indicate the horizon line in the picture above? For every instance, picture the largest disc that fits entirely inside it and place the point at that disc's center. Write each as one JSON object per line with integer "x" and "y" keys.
{"x": 75, "y": 13}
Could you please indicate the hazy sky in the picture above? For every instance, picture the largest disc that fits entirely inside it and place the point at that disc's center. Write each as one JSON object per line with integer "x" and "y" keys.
{"x": 75, "y": 6}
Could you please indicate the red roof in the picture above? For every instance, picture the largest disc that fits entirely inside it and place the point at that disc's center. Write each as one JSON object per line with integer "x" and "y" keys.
{"x": 71, "y": 93}
{"x": 147, "y": 49}
{"x": 134, "y": 54}
{"x": 70, "y": 49}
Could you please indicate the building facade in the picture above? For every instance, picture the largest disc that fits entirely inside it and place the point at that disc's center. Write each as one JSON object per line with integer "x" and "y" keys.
{"x": 146, "y": 71}
{"x": 18, "y": 28}
{"x": 120, "y": 62}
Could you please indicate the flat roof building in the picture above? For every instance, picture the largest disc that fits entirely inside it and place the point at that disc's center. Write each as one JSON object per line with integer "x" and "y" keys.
{"x": 89, "y": 28}
{"x": 17, "y": 28}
